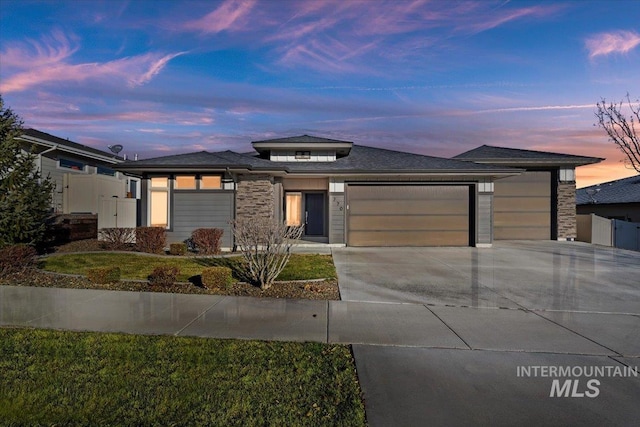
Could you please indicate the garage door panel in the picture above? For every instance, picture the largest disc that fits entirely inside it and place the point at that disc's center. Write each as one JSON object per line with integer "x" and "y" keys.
{"x": 406, "y": 192}
{"x": 522, "y": 220}
{"x": 413, "y": 238}
{"x": 521, "y": 204}
{"x": 513, "y": 189}
{"x": 409, "y": 222}
{"x": 413, "y": 207}
{"x": 522, "y": 207}
{"x": 408, "y": 215}
{"x": 522, "y": 233}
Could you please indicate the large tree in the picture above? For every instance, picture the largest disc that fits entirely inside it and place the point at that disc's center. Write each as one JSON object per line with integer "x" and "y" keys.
{"x": 25, "y": 196}
{"x": 622, "y": 129}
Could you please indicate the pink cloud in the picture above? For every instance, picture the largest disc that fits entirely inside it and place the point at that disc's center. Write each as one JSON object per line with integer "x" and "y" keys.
{"x": 154, "y": 68}
{"x": 613, "y": 42}
{"x": 34, "y": 64}
{"x": 477, "y": 23}
{"x": 53, "y": 49}
{"x": 227, "y": 16}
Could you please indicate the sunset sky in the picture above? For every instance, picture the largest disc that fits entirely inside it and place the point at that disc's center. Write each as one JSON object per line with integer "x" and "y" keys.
{"x": 429, "y": 77}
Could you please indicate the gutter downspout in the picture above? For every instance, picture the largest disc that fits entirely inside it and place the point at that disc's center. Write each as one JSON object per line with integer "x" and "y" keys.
{"x": 234, "y": 247}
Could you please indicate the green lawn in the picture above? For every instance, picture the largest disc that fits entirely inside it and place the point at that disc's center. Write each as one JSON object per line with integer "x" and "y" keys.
{"x": 70, "y": 378}
{"x": 136, "y": 266}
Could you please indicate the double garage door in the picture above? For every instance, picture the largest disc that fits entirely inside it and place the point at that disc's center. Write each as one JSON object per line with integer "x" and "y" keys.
{"x": 408, "y": 215}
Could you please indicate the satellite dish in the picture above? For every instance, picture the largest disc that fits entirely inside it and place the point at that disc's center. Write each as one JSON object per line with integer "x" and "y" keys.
{"x": 115, "y": 149}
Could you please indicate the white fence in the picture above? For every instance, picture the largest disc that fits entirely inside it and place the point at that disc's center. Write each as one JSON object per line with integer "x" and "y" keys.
{"x": 99, "y": 194}
{"x": 595, "y": 229}
{"x": 608, "y": 232}
{"x": 117, "y": 212}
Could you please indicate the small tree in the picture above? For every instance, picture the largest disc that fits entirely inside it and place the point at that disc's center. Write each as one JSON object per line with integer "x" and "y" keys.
{"x": 25, "y": 197}
{"x": 622, "y": 129}
{"x": 266, "y": 248}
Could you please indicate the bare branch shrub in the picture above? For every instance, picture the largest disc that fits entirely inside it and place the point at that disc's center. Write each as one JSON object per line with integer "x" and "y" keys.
{"x": 117, "y": 238}
{"x": 266, "y": 248}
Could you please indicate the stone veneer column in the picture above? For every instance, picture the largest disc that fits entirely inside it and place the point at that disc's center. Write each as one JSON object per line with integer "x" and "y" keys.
{"x": 566, "y": 210}
{"x": 254, "y": 197}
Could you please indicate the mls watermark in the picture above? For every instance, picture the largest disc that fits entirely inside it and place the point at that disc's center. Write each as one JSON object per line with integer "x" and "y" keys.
{"x": 576, "y": 381}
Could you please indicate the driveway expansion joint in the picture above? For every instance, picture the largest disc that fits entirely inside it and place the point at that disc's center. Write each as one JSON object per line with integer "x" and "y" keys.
{"x": 617, "y": 353}
{"x": 450, "y": 328}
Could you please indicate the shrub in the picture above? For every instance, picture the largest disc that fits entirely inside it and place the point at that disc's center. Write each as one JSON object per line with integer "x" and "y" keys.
{"x": 217, "y": 277}
{"x": 207, "y": 240}
{"x": 102, "y": 275}
{"x": 151, "y": 239}
{"x": 178, "y": 248}
{"x": 17, "y": 258}
{"x": 266, "y": 248}
{"x": 117, "y": 238}
{"x": 163, "y": 276}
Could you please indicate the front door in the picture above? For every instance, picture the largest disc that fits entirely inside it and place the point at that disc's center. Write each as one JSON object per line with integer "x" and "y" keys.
{"x": 314, "y": 214}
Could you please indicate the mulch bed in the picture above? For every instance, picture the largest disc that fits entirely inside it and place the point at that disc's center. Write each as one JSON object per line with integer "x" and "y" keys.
{"x": 313, "y": 290}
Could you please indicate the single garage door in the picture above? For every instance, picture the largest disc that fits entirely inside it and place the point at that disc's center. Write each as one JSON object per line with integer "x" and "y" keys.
{"x": 407, "y": 215}
{"x": 522, "y": 207}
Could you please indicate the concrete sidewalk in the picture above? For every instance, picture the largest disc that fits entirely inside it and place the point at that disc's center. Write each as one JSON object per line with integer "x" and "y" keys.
{"x": 407, "y": 325}
{"x": 416, "y": 362}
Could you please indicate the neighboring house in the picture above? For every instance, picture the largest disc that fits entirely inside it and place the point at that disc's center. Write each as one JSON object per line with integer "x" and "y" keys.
{"x": 85, "y": 179}
{"x": 619, "y": 199}
{"x": 356, "y": 195}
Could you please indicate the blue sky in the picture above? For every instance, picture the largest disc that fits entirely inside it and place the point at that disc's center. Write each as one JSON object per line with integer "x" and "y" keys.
{"x": 430, "y": 77}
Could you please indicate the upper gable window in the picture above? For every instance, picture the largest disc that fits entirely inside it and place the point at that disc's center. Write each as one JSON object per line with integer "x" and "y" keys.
{"x": 303, "y": 155}
{"x": 71, "y": 164}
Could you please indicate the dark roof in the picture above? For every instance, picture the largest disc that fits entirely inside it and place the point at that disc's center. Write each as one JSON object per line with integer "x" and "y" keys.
{"x": 199, "y": 160}
{"x": 304, "y": 139}
{"x": 625, "y": 190}
{"x": 33, "y": 133}
{"x": 370, "y": 159}
{"x": 362, "y": 159}
{"x": 491, "y": 154}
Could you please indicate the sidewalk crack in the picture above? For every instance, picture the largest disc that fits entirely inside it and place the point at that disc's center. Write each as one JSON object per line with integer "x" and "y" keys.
{"x": 200, "y": 315}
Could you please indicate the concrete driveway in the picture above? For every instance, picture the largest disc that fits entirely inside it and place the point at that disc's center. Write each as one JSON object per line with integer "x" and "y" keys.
{"x": 532, "y": 275}
{"x": 514, "y": 306}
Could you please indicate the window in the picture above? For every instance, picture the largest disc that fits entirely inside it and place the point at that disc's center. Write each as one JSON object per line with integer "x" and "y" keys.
{"x": 293, "y": 209}
{"x": 101, "y": 170}
{"x": 210, "y": 182}
{"x": 71, "y": 164}
{"x": 187, "y": 182}
{"x": 159, "y": 202}
{"x": 303, "y": 154}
